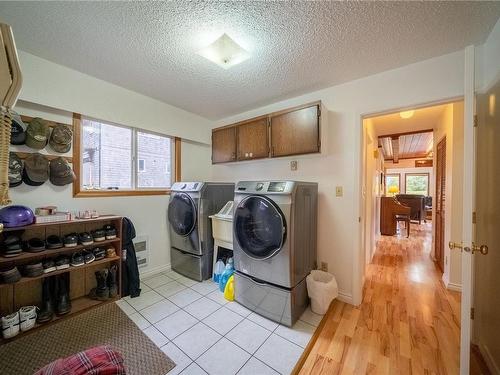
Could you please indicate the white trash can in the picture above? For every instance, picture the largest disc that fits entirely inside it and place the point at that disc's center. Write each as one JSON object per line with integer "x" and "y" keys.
{"x": 322, "y": 289}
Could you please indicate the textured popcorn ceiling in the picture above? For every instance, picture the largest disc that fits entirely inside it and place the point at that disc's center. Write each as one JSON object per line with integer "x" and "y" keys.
{"x": 296, "y": 47}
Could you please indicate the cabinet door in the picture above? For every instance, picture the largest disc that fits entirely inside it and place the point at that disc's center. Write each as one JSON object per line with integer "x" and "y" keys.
{"x": 224, "y": 145}
{"x": 295, "y": 132}
{"x": 253, "y": 140}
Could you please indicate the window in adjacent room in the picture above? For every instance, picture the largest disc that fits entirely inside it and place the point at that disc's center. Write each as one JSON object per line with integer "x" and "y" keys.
{"x": 392, "y": 183}
{"x": 120, "y": 160}
{"x": 417, "y": 183}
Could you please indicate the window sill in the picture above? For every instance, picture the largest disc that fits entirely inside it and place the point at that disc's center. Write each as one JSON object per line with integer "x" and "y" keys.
{"x": 118, "y": 193}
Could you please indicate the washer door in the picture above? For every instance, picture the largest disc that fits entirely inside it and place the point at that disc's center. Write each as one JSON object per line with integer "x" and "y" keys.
{"x": 182, "y": 214}
{"x": 259, "y": 227}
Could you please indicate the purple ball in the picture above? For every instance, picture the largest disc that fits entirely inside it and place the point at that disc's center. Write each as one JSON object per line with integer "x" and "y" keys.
{"x": 16, "y": 216}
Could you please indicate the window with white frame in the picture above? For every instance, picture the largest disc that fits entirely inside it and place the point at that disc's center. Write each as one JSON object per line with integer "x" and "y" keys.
{"x": 115, "y": 157}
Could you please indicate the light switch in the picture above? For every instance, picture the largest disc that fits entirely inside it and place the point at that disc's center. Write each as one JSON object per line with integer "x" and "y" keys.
{"x": 339, "y": 191}
{"x": 293, "y": 165}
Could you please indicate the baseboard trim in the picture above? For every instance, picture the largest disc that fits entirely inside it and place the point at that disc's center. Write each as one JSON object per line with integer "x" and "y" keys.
{"x": 345, "y": 297}
{"x": 153, "y": 270}
{"x": 488, "y": 358}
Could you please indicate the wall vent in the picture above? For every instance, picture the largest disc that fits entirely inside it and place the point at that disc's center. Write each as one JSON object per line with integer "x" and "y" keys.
{"x": 141, "y": 244}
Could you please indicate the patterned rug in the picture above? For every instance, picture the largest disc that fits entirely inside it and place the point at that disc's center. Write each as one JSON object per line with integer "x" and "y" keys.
{"x": 106, "y": 324}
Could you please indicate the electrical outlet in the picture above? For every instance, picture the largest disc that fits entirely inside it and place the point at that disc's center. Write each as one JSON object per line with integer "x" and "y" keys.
{"x": 293, "y": 165}
{"x": 339, "y": 191}
{"x": 324, "y": 266}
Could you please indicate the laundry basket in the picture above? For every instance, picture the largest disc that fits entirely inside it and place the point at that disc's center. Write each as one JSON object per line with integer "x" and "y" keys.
{"x": 322, "y": 289}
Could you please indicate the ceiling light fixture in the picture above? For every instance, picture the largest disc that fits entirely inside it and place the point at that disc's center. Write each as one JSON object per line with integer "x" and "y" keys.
{"x": 406, "y": 114}
{"x": 225, "y": 52}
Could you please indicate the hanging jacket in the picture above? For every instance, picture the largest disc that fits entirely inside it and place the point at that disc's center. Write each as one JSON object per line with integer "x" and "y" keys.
{"x": 130, "y": 269}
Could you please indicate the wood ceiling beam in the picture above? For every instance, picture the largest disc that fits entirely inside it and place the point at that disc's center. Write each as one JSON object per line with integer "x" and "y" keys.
{"x": 395, "y": 149}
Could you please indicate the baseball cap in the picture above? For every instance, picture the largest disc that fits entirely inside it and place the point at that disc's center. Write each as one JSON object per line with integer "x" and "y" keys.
{"x": 36, "y": 170}
{"x": 61, "y": 172}
{"x": 60, "y": 139}
{"x": 15, "y": 170}
{"x": 37, "y": 133}
{"x": 18, "y": 130}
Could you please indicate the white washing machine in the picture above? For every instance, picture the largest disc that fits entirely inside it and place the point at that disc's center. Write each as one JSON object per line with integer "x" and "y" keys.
{"x": 275, "y": 236}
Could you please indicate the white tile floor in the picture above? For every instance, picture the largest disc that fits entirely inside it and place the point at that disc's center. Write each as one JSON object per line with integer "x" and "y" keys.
{"x": 205, "y": 334}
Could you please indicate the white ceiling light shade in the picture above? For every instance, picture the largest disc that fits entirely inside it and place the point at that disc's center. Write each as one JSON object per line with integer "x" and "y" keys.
{"x": 225, "y": 52}
{"x": 406, "y": 114}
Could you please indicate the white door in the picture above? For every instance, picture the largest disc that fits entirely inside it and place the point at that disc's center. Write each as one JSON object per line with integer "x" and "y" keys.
{"x": 480, "y": 151}
{"x": 486, "y": 299}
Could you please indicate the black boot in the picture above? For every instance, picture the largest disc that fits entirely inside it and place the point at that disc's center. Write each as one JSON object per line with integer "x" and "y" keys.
{"x": 101, "y": 292}
{"x": 63, "y": 301}
{"x": 47, "y": 310}
{"x": 112, "y": 285}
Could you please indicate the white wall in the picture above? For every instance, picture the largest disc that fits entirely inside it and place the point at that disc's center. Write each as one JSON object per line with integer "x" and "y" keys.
{"x": 48, "y": 86}
{"x": 487, "y": 60}
{"x": 340, "y": 165}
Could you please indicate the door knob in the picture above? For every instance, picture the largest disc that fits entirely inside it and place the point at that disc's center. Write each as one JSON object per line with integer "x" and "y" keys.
{"x": 483, "y": 249}
{"x": 455, "y": 245}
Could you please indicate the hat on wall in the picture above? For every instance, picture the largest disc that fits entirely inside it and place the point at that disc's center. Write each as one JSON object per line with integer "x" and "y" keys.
{"x": 15, "y": 170}
{"x": 37, "y": 133}
{"x": 60, "y": 139}
{"x": 36, "y": 170}
{"x": 18, "y": 130}
{"x": 60, "y": 172}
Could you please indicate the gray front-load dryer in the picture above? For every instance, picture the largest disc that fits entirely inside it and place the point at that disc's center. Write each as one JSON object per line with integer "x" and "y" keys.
{"x": 191, "y": 241}
{"x": 275, "y": 232}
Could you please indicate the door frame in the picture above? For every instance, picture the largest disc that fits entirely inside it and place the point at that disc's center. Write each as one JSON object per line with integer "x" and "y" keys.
{"x": 435, "y": 204}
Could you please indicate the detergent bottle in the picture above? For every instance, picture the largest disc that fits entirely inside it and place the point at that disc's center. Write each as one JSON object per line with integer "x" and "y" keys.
{"x": 218, "y": 269}
{"x": 226, "y": 274}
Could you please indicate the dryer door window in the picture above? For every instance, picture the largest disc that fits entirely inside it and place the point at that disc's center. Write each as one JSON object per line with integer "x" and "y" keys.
{"x": 182, "y": 214}
{"x": 259, "y": 227}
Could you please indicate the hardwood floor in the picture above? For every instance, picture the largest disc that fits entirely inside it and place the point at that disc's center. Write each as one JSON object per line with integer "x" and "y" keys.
{"x": 408, "y": 322}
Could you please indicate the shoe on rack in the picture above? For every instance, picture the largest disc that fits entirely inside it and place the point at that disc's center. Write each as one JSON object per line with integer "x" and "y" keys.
{"x": 62, "y": 262}
{"x": 112, "y": 283}
{"x": 27, "y": 317}
{"x": 48, "y": 266}
{"x": 11, "y": 246}
{"x": 47, "y": 311}
{"x": 85, "y": 239}
{"x": 54, "y": 242}
{"x": 88, "y": 256}
{"x": 35, "y": 245}
{"x": 71, "y": 240}
{"x": 33, "y": 269}
{"x": 10, "y": 325}
{"x": 63, "y": 303}
{"x": 101, "y": 291}
{"x": 110, "y": 252}
{"x": 110, "y": 231}
{"x": 10, "y": 275}
{"x": 77, "y": 259}
{"x": 98, "y": 235}
{"x": 99, "y": 253}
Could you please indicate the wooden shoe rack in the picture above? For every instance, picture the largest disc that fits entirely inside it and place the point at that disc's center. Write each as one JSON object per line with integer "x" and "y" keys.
{"x": 28, "y": 290}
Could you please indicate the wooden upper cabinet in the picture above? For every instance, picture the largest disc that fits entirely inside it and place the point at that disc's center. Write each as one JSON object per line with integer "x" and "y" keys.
{"x": 253, "y": 140}
{"x": 295, "y": 132}
{"x": 223, "y": 145}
